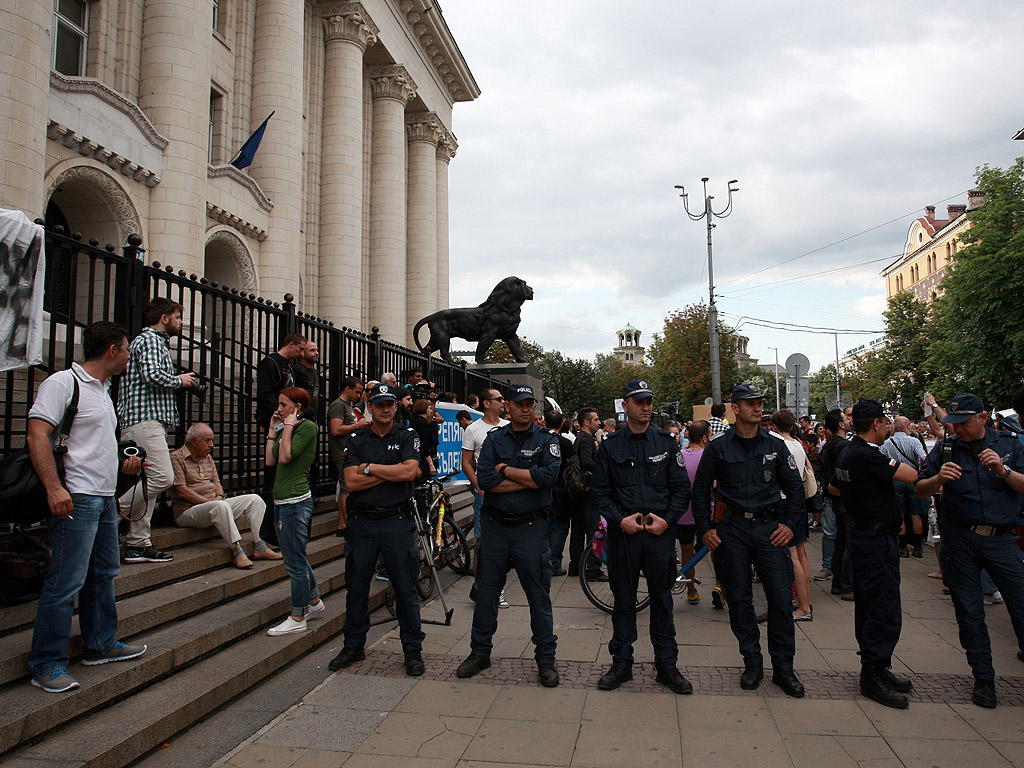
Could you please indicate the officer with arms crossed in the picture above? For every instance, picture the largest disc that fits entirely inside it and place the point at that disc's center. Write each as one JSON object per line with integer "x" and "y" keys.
{"x": 640, "y": 487}
{"x": 753, "y": 470}
{"x": 864, "y": 479}
{"x": 380, "y": 466}
{"x": 980, "y": 473}
{"x": 517, "y": 468}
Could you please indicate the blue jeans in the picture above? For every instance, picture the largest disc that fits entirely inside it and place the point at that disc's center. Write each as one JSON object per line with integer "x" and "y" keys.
{"x": 292, "y": 521}
{"x": 828, "y": 535}
{"x": 86, "y": 557}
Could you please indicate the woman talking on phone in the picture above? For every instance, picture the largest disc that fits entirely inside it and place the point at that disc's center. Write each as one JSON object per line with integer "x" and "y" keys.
{"x": 291, "y": 446}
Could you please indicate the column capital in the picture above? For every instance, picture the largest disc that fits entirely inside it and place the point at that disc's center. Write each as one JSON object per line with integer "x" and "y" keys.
{"x": 391, "y": 82}
{"x": 424, "y": 126}
{"x": 447, "y": 146}
{"x": 349, "y": 22}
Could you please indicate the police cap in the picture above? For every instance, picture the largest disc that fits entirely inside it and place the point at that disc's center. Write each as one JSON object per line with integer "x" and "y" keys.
{"x": 866, "y": 408}
{"x": 746, "y": 392}
{"x": 638, "y": 389}
{"x": 519, "y": 392}
{"x": 962, "y": 407}
{"x": 382, "y": 393}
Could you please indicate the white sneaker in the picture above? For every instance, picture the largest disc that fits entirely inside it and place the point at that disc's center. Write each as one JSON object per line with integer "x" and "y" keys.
{"x": 502, "y": 602}
{"x": 315, "y": 610}
{"x": 287, "y": 627}
{"x": 994, "y": 599}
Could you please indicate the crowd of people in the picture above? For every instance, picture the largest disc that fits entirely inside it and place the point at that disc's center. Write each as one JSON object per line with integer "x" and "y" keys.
{"x": 747, "y": 485}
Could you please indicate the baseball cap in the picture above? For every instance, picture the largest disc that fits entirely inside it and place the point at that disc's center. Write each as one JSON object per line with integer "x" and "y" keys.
{"x": 382, "y": 393}
{"x": 519, "y": 392}
{"x": 866, "y": 408}
{"x": 962, "y": 407}
{"x": 638, "y": 389}
{"x": 746, "y": 392}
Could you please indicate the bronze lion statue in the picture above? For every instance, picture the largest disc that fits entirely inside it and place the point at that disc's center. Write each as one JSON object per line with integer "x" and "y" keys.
{"x": 497, "y": 318}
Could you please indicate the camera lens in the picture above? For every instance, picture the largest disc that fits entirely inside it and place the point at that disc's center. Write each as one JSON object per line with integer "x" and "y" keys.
{"x": 131, "y": 450}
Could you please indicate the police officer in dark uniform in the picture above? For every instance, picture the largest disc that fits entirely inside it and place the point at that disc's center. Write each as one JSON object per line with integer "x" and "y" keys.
{"x": 380, "y": 466}
{"x": 980, "y": 473}
{"x": 640, "y": 487}
{"x": 517, "y": 469}
{"x": 864, "y": 480}
{"x": 754, "y": 470}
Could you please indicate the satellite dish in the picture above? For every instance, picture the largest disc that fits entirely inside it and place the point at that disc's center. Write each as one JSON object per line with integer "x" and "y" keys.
{"x": 798, "y": 365}
{"x": 709, "y": 401}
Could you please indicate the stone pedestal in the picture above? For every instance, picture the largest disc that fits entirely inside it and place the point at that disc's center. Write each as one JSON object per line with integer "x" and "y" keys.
{"x": 515, "y": 373}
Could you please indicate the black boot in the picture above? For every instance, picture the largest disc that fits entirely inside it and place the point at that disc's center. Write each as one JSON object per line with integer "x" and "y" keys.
{"x": 875, "y": 684}
{"x": 901, "y": 684}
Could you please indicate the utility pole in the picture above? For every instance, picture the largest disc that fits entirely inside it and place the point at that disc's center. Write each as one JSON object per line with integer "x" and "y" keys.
{"x": 778, "y": 403}
{"x": 838, "y": 393}
{"x": 709, "y": 214}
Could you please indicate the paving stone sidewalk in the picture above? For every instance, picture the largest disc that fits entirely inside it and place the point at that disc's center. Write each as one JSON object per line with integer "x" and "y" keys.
{"x": 373, "y": 715}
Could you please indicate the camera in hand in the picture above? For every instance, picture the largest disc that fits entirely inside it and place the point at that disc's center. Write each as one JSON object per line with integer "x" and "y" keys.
{"x": 198, "y": 389}
{"x": 127, "y": 449}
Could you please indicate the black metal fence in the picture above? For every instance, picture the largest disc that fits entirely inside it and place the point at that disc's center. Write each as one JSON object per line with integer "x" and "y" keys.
{"x": 225, "y": 333}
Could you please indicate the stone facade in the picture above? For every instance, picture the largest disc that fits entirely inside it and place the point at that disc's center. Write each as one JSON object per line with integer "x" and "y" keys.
{"x": 346, "y": 202}
{"x": 628, "y": 349}
{"x": 930, "y": 248}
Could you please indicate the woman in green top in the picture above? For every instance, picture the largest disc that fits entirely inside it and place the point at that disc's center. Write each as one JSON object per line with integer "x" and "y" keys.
{"x": 291, "y": 445}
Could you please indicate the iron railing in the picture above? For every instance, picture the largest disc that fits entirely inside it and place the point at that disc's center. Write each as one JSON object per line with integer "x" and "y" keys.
{"x": 225, "y": 333}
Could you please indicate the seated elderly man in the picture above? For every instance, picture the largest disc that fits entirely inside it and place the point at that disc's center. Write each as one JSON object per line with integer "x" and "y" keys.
{"x": 199, "y": 498}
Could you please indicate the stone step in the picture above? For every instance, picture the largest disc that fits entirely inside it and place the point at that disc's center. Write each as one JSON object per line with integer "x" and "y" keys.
{"x": 146, "y": 610}
{"x": 29, "y": 713}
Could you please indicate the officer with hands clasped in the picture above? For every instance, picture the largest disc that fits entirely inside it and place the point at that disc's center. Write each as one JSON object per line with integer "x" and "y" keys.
{"x": 753, "y": 470}
{"x": 517, "y": 469}
{"x": 380, "y": 466}
{"x": 863, "y": 479}
{"x": 640, "y": 487}
{"x": 980, "y": 473}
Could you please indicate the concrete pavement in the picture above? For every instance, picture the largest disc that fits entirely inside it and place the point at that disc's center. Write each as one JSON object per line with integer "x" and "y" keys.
{"x": 373, "y": 715}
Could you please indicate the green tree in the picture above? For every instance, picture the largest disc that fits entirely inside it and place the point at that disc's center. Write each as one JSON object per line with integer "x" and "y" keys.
{"x": 822, "y": 386}
{"x": 570, "y": 382}
{"x": 752, "y": 373}
{"x": 978, "y": 341}
{"x": 611, "y": 376}
{"x": 499, "y": 352}
{"x": 680, "y": 359}
{"x": 898, "y": 374}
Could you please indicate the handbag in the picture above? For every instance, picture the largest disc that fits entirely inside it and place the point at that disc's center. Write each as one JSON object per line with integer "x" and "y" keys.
{"x": 23, "y": 493}
{"x": 24, "y": 561}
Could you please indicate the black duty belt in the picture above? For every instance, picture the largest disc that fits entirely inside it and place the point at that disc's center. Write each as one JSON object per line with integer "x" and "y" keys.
{"x": 511, "y": 521}
{"x": 985, "y": 530}
{"x": 764, "y": 514}
{"x": 379, "y": 513}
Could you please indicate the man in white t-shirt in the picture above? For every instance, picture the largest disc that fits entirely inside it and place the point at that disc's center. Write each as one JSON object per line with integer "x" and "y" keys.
{"x": 83, "y": 519}
{"x": 493, "y": 406}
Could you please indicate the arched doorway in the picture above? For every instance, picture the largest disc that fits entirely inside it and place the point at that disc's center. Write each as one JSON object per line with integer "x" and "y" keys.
{"x": 227, "y": 261}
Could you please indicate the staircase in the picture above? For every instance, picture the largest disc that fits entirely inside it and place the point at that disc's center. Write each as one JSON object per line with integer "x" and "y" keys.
{"x": 205, "y": 624}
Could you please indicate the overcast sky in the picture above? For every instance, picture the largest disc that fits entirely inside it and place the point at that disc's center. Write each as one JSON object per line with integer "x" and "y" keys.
{"x": 840, "y": 121}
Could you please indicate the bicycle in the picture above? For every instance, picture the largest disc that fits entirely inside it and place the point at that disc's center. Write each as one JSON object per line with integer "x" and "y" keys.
{"x": 442, "y": 542}
{"x": 598, "y": 590}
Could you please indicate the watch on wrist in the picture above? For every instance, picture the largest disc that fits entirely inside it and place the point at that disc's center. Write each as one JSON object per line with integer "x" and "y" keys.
{"x": 1006, "y": 473}
{"x": 366, "y": 469}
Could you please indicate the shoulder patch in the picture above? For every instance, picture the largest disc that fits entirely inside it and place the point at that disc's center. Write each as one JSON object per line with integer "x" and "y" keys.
{"x": 680, "y": 460}
{"x": 791, "y": 461}
{"x": 554, "y": 450}
{"x": 893, "y": 462}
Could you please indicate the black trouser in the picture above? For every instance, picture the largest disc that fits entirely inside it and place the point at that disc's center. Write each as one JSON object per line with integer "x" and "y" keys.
{"x": 268, "y": 531}
{"x": 842, "y": 578}
{"x": 655, "y": 556}
{"x": 877, "y": 616}
{"x": 561, "y": 514}
{"x": 746, "y": 542}
{"x": 583, "y": 520}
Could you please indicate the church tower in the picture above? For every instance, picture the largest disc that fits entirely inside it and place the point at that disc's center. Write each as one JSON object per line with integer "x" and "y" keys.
{"x": 629, "y": 349}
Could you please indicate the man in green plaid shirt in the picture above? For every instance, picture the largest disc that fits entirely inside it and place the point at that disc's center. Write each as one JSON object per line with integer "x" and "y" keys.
{"x": 146, "y": 408}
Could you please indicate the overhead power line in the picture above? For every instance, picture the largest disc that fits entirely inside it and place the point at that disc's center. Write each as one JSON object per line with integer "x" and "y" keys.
{"x": 798, "y": 328}
{"x": 837, "y": 242}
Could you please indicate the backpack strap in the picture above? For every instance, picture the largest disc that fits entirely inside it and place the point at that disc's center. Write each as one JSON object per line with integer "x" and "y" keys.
{"x": 69, "y": 415}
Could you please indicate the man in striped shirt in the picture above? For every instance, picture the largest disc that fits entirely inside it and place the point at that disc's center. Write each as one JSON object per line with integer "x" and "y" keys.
{"x": 146, "y": 408}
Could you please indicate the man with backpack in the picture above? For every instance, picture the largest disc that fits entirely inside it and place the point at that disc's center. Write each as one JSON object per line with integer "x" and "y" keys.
{"x": 83, "y": 510}
{"x": 583, "y": 518}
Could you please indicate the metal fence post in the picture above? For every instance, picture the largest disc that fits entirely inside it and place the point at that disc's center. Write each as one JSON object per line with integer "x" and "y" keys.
{"x": 373, "y": 354}
{"x": 136, "y": 287}
{"x": 290, "y": 324}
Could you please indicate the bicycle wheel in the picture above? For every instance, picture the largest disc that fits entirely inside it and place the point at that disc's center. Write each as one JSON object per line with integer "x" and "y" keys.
{"x": 600, "y": 592}
{"x": 425, "y": 577}
{"x": 453, "y": 552}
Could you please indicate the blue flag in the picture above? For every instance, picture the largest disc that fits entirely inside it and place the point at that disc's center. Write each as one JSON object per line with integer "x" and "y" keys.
{"x": 248, "y": 151}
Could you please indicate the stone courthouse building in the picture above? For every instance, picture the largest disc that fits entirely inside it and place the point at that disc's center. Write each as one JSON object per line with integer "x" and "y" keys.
{"x": 121, "y": 116}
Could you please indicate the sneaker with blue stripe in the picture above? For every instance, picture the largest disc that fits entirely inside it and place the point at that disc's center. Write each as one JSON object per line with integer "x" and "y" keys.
{"x": 56, "y": 680}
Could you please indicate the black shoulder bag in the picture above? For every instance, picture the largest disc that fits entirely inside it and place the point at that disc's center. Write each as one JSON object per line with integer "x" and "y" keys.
{"x": 22, "y": 492}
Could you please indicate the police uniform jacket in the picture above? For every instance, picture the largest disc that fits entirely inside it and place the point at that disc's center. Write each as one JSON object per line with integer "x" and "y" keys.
{"x": 863, "y": 474}
{"x": 640, "y": 473}
{"x": 538, "y": 452}
{"x": 751, "y": 481}
{"x": 979, "y": 497}
{"x": 366, "y": 446}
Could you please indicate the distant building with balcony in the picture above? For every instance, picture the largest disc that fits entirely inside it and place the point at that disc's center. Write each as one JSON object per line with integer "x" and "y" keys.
{"x": 629, "y": 349}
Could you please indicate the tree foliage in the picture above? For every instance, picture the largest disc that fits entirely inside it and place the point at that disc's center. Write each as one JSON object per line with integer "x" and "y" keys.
{"x": 680, "y": 359}
{"x": 499, "y": 352}
{"x": 570, "y": 382}
{"x": 752, "y": 373}
{"x": 978, "y": 339}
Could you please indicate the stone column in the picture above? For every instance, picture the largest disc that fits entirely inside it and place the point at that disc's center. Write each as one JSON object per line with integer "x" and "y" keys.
{"x": 24, "y": 90}
{"x": 175, "y": 94}
{"x": 277, "y": 86}
{"x": 348, "y": 31}
{"x": 445, "y": 152}
{"x": 392, "y": 88}
{"x": 425, "y": 131}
